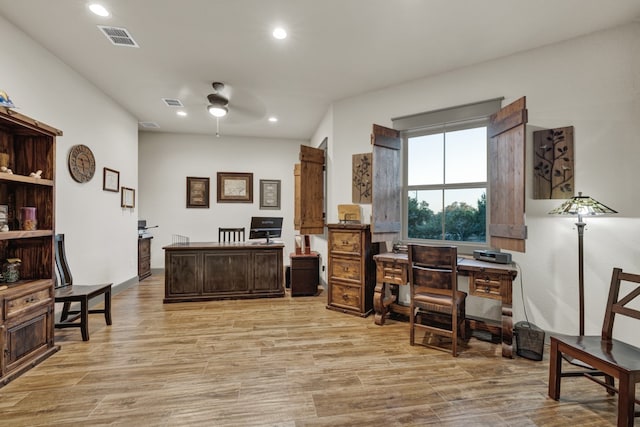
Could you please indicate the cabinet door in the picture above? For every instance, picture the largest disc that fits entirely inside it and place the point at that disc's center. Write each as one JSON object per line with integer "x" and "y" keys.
{"x": 267, "y": 271}
{"x": 226, "y": 272}
{"x": 183, "y": 273}
{"x": 26, "y": 338}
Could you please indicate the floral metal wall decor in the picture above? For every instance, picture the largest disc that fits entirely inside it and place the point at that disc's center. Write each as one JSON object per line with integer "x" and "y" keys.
{"x": 361, "y": 178}
{"x": 553, "y": 168}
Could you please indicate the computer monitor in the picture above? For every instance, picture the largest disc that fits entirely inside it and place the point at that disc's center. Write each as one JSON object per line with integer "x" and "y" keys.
{"x": 265, "y": 227}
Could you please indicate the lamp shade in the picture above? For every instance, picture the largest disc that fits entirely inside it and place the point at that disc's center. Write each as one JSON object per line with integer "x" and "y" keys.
{"x": 582, "y": 205}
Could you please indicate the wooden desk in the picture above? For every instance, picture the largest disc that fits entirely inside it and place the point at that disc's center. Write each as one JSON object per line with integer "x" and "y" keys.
{"x": 486, "y": 280}
{"x": 211, "y": 270}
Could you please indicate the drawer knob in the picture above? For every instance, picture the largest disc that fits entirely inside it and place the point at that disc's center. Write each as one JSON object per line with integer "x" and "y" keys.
{"x": 486, "y": 289}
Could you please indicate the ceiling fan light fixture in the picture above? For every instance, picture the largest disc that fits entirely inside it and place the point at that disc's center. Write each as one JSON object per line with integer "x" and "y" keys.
{"x": 279, "y": 33}
{"x": 99, "y": 10}
{"x": 217, "y": 110}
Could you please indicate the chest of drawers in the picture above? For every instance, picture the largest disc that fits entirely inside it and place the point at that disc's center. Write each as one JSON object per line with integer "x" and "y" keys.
{"x": 351, "y": 276}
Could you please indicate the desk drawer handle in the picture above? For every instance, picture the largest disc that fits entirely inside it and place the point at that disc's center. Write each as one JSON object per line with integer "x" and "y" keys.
{"x": 487, "y": 289}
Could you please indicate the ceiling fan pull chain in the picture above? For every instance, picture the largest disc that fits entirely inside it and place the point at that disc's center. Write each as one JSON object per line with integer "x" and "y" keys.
{"x": 217, "y": 127}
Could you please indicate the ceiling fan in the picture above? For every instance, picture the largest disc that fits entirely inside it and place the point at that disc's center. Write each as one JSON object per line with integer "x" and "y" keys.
{"x": 217, "y": 102}
{"x": 239, "y": 105}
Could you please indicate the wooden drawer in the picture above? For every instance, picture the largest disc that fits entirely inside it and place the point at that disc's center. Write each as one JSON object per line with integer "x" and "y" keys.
{"x": 392, "y": 273}
{"x": 345, "y": 296}
{"x": 485, "y": 285}
{"x": 144, "y": 248}
{"x": 346, "y": 268}
{"x": 14, "y": 305}
{"x": 346, "y": 242}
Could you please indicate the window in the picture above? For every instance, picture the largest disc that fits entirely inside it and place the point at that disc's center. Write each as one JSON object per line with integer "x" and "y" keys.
{"x": 447, "y": 184}
{"x": 445, "y": 174}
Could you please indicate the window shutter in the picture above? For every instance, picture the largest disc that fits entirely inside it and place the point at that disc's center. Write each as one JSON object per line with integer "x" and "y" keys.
{"x": 507, "y": 229}
{"x": 387, "y": 185}
{"x": 311, "y": 191}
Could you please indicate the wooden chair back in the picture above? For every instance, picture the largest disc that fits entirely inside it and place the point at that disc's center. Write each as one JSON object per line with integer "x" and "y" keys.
{"x": 62, "y": 266}
{"x": 231, "y": 234}
{"x": 437, "y": 307}
{"x": 433, "y": 269}
{"x": 617, "y": 305}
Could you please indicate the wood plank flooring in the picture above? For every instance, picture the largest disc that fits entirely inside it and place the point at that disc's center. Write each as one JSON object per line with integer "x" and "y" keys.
{"x": 280, "y": 362}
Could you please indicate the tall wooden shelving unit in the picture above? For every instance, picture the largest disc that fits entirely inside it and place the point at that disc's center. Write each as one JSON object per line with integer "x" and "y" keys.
{"x": 27, "y": 306}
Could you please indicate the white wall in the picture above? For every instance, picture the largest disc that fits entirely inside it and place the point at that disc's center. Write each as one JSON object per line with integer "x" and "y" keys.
{"x": 166, "y": 160}
{"x": 101, "y": 238}
{"x": 591, "y": 83}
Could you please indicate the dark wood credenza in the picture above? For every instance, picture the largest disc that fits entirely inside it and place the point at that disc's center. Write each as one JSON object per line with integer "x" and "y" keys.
{"x": 209, "y": 270}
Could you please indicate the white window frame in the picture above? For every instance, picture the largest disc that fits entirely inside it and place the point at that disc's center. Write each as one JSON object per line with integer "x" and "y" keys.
{"x": 446, "y": 120}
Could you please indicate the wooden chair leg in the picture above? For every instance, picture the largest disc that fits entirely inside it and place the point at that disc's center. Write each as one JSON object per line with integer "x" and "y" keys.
{"x": 555, "y": 371}
{"x": 65, "y": 311}
{"x": 454, "y": 336}
{"x": 412, "y": 331}
{"x": 84, "y": 319}
{"x": 107, "y": 306}
{"x": 626, "y": 401}
{"x": 608, "y": 379}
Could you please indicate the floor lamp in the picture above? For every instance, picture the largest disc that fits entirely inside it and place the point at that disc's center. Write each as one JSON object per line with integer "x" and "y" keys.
{"x": 581, "y": 205}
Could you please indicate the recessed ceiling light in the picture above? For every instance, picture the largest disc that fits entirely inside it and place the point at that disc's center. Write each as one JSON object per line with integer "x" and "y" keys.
{"x": 280, "y": 33}
{"x": 99, "y": 9}
{"x": 181, "y": 113}
{"x": 273, "y": 119}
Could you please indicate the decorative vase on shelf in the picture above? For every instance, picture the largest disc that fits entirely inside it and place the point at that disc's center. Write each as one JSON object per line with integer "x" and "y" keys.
{"x": 28, "y": 219}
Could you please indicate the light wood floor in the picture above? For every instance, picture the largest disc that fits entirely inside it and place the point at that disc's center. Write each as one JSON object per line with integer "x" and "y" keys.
{"x": 280, "y": 362}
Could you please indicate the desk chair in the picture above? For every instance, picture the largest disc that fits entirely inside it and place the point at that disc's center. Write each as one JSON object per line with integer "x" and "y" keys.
{"x": 437, "y": 306}
{"x": 66, "y": 293}
{"x": 230, "y": 234}
{"x": 604, "y": 355}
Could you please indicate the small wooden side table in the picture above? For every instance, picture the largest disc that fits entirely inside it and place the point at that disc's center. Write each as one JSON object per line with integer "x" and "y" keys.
{"x": 305, "y": 273}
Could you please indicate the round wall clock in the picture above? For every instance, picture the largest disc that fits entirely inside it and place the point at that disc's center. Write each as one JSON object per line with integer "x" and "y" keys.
{"x": 82, "y": 164}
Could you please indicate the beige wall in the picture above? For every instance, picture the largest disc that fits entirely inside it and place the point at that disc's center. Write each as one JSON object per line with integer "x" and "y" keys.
{"x": 167, "y": 159}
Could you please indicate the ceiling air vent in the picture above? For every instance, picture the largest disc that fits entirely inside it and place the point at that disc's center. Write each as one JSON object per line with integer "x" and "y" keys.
{"x": 149, "y": 125}
{"x": 171, "y": 102}
{"x": 118, "y": 36}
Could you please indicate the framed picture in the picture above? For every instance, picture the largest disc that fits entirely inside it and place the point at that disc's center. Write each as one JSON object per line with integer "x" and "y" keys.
{"x": 269, "y": 194}
{"x": 234, "y": 187}
{"x": 197, "y": 192}
{"x": 111, "y": 180}
{"x": 127, "y": 197}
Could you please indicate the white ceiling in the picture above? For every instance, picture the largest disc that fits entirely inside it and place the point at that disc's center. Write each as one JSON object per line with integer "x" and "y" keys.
{"x": 335, "y": 49}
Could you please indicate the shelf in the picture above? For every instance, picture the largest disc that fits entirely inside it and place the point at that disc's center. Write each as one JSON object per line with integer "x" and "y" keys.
{"x": 7, "y": 177}
{"x": 22, "y": 234}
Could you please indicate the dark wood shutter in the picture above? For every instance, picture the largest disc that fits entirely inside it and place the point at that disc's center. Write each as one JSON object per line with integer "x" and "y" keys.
{"x": 507, "y": 229}
{"x": 311, "y": 191}
{"x": 387, "y": 185}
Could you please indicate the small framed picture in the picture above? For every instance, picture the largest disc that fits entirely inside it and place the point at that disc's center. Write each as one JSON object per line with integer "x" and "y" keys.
{"x": 269, "y": 194}
{"x": 235, "y": 187}
{"x": 128, "y": 197}
{"x": 111, "y": 180}
{"x": 197, "y": 192}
